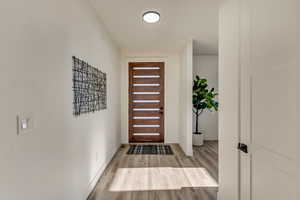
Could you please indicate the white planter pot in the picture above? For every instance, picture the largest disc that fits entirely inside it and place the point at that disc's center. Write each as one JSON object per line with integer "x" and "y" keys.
{"x": 198, "y": 139}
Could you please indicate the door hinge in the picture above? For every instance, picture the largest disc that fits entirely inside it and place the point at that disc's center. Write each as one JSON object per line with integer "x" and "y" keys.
{"x": 243, "y": 147}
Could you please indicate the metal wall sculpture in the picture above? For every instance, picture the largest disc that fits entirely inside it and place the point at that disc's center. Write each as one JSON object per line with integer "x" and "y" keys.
{"x": 89, "y": 88}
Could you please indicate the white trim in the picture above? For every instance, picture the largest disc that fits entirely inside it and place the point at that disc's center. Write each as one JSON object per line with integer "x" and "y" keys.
{"x": 96, "y": 178}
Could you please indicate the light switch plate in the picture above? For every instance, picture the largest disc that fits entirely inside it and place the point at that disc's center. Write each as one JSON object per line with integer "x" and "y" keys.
{"x": 24, "y": 123}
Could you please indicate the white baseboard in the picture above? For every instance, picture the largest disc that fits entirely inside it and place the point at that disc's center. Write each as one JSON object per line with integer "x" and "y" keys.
{"x": 96, "y": 178}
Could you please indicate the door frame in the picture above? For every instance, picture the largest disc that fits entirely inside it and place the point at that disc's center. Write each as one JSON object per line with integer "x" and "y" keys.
{"x": 230, "y": 101}
{"x": 130, "y": 100}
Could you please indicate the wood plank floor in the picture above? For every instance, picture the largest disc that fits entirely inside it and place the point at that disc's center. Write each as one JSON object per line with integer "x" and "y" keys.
{"x": 205, "y": 157}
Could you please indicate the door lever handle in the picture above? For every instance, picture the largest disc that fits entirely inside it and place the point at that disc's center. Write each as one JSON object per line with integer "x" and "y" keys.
{"x": 161, "y": 110}
{"x": 243, "y": 147}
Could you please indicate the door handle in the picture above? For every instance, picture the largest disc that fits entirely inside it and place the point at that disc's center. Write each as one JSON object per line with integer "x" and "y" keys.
{"x": 161, "y": 110}
{"x": 243, "y": 147}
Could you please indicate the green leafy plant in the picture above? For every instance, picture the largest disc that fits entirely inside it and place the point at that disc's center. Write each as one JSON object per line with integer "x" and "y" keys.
{"x": 203, "y": 98}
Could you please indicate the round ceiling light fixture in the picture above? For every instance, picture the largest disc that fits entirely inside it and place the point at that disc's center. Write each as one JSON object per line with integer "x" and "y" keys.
{"x": 151, "y": 17}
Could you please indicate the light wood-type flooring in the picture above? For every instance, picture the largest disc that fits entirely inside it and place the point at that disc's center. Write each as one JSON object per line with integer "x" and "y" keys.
{"x": 161, "y": 177}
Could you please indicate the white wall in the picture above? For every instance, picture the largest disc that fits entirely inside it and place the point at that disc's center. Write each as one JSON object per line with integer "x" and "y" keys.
{"x": 186, "y": 93}
{"x": 206, "y": 66}
{"x": 63, "y": 155}
{"x": 172, "y": 93}
{"x": 229, "y": 100}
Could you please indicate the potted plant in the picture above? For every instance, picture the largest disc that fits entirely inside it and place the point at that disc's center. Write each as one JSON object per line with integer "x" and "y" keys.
{"x": 203, "y": 99}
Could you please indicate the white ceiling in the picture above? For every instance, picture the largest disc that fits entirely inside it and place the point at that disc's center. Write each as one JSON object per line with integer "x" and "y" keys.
{"x": 181, "y": 20}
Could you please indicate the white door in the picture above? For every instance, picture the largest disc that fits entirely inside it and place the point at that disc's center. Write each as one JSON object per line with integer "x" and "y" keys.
{"x": 270, "y": 99}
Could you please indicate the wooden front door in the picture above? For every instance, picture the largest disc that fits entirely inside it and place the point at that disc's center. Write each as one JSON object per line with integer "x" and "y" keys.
{"x": 146, "y": 102}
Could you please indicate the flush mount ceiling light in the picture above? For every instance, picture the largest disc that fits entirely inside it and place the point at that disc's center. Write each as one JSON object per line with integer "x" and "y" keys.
{"x": 151, "y": 17}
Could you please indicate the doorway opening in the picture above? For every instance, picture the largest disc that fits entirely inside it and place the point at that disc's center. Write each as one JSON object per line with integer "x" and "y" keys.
{"x": 206, "y": 131}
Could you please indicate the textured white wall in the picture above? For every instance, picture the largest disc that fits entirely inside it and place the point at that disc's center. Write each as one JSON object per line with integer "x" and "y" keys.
{"x": 206, "y": 66}
{"x": 229, "y": 100}
{"x": 186, "y": 94}
{"x": 172, "y": 74}
{"x": 63, "y": 155}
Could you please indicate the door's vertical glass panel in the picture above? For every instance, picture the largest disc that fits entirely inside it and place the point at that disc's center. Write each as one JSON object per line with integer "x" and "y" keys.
{"x": 146, "y": 117}
{"x": 146, "y": 101}
{"x": 146, "y": 134}
{"x": 146, "y": 109}
{"x": 146, "y": 126}
{"x": 146, "y": 68}
{"x": 146, "y": 92}
{"x": 146, "y": 76}
{"x": 146, "y": 84}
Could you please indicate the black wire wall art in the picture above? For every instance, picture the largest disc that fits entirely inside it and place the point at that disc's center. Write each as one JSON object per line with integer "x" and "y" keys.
{"x": 89, "y": 88}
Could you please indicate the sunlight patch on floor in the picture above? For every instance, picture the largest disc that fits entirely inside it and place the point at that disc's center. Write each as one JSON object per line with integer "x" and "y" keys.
{"x": 160, "y": 178}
